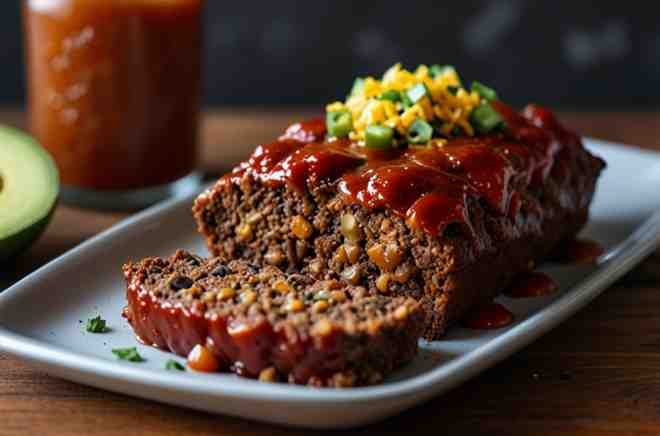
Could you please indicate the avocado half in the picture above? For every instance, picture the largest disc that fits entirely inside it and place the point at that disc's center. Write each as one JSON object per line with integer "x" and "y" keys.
{"x": 29, "y": 186}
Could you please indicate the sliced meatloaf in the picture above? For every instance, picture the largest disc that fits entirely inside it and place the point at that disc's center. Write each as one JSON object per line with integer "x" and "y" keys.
{"x": 259, "y": 320}
{"x": 449, "y": 226}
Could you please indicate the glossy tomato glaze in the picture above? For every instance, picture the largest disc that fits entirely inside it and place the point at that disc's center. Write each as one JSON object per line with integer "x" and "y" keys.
{"x": 430, "y": 187}
{"x": 488, "y": 316}
{"x": 179, "y": 330}
{"x": 532, "y": 284}
{"x": 246, "y": 346}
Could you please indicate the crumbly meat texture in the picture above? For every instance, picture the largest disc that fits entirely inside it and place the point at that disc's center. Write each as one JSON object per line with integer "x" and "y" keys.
{"x": 308, "y": 233}
{"x": 259, "y": 321}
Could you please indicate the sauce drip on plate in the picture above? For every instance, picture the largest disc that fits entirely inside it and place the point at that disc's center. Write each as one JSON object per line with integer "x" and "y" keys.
{"x": 488, "y": 316}
{"x": 532, "y": 284}
{"x": 580, "y": 251}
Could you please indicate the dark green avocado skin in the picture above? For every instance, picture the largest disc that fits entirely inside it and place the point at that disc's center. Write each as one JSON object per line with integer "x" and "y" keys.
{"x": 11, "y": 246}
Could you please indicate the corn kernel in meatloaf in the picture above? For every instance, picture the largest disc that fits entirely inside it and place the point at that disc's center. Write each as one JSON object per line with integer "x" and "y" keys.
{"x": 265, "y": 324}
{"x": 448, "y": 225}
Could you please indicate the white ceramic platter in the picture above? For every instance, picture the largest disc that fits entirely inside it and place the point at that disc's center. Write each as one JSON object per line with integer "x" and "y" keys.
{"x": 40, "y": 316}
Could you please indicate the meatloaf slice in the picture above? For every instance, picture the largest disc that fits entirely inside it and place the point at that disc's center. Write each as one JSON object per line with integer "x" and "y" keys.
{"x": 449, "y": 226}
{"x": 258, "y": 319}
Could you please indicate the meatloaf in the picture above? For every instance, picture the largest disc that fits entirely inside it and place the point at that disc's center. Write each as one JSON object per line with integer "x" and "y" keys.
{"x": 261, "y": 322}
{"x": 449, "y": 226}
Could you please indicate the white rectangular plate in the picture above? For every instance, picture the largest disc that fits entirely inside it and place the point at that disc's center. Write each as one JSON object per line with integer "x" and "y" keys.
{"x": 42, "y": 317}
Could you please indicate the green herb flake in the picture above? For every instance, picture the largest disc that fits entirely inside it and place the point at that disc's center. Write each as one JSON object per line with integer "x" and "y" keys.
{"x": 130, "y": 354}
{"x": 173, "y": 365}
{"x": 96, "y": 325}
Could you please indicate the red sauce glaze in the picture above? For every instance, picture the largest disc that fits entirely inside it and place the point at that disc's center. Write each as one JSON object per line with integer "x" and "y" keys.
{"x": 430, "y": 187}
{"x": 478, "y": 163}
{"x": 306, "y": 131}
{"x": 264, "y": 158}
{"x": 250, "y": 344}
{"x": 435, "y": 210}
{"x": 488, "y": 316}
{"x": 579, "y": 251}
{"x": 312, "y": 165}
{"x": 532, "y": 284}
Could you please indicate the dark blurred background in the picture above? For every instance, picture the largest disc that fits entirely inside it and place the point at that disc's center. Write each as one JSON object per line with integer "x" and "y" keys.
{"x": 568, "y": 54}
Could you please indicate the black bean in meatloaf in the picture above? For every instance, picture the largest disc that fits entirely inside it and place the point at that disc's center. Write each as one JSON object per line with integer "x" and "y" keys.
{"x": 259, "y": 320}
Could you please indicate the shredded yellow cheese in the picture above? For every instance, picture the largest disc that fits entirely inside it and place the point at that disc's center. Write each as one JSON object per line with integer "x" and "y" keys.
{"x": 447, "y": 105}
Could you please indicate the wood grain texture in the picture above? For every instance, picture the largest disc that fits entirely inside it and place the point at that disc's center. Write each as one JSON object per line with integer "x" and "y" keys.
{"x": 598, "y": 373}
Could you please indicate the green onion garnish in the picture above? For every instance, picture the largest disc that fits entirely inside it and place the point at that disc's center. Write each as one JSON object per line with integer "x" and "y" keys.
{"x": 379, "y": 137}
{"x": 484, "y": 91}
{"x": 96, "y": 325}
{"x": 358, "y": 86}
{"x": 405, "y": 101}
{"x": 419, "y": 132}
{"x": 485, "y": 118}
{"x": 130, "y": 354}
{"x": 439, "y": 70}
{"x": 174, "y": 365}
{"x": 391, "y": 95}
{"x": 339, "y": 123}
{"x": 417, "y": 92}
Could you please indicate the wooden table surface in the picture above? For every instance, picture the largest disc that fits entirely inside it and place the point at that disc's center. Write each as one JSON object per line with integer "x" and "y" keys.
{"x": 598, "y": 373}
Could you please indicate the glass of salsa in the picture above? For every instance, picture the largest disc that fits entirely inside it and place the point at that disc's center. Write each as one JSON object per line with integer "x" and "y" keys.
{"x": 114, "y": 93}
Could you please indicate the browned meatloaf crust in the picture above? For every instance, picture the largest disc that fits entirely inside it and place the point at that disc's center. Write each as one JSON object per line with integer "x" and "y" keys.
{"x": 257, "y": 319}
{"x": 269, "y": 211}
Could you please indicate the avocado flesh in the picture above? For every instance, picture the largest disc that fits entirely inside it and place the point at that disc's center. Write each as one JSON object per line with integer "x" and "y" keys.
{"x": 29, "y": 185}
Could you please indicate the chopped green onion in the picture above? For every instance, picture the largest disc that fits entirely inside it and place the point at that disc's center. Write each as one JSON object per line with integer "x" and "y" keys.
{"x": 439, "y": 70}
{"x": 96, "y": 325}
{"x": 389, "y": 73}
{"x": 379, "y": 137}
{"x": 419, "y": 132}
{"x": 339, "y": 123}
{"x": 484, "y": 91}
{"x": 130, "y": 354}
{"x": 405, "y": 101}
{"x": 358, "y": 86}
{"x": 453, "y": 90}
{"x": 174, "y": 365}
{"x": 485, "y": 118}
{"x": 417, "y": 92}
{"x": 390, "y": 95}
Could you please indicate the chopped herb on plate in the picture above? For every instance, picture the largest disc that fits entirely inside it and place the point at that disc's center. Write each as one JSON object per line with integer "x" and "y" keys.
{"x": 96, "y": 325}
{"x": 174, "y": 365}
{"x": 130, "y": 354}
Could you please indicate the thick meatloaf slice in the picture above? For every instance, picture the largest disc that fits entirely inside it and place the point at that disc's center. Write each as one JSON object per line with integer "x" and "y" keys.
{"x": 258, "y": 319}
{"x": 449, "y": 226}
